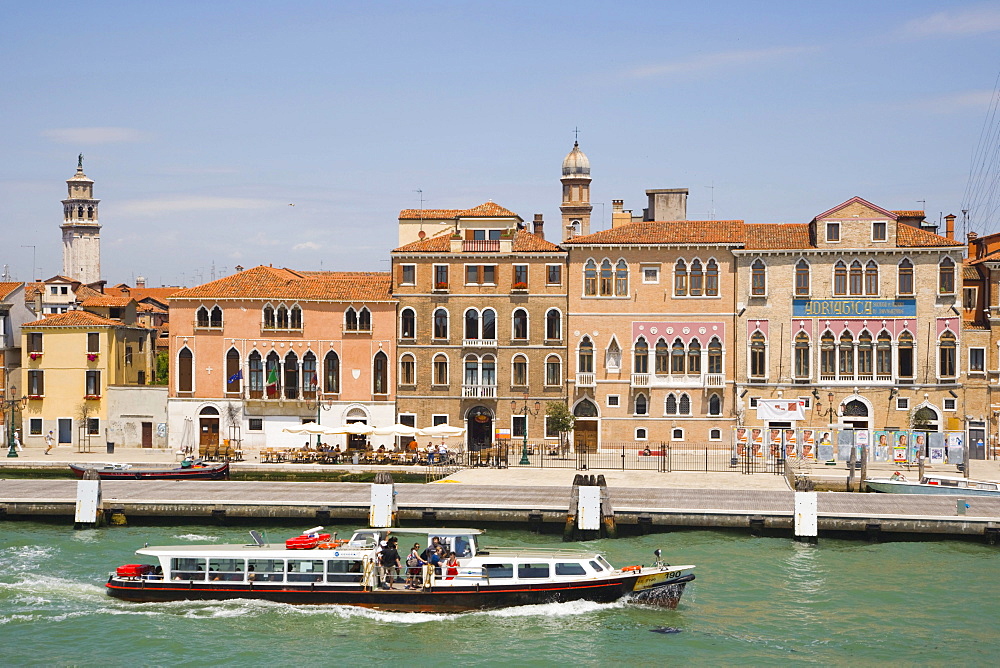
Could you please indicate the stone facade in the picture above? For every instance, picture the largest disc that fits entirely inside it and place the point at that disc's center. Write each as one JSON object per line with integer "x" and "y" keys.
{"x": 81, "y": 231}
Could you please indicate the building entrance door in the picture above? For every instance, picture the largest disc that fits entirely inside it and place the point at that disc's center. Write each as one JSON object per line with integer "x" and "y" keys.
{"x": 585, "y": 436}
{"x": 480, "y": 426}
{"x": 65, "y": 430}
{"x": 147, "y": 434}
{"x": 209, "y": 432}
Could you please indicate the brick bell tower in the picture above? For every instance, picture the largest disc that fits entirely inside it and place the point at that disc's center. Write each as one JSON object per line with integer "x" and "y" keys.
{"x": 81, "y": 233}
{"x": 576, "y": 205}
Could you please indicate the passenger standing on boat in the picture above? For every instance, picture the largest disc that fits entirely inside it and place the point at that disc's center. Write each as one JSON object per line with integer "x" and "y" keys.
{"x": 437, "y": 556}
{"x": 452, "y": 566}
{"x": 413, "y": 564}
{"x": 431, "y": 549}
{"x": 390, "y": 562}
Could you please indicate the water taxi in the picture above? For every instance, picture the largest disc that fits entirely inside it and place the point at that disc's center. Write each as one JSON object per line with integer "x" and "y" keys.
{"x": 315, "y": 568}
{"x": 897, "y": 483}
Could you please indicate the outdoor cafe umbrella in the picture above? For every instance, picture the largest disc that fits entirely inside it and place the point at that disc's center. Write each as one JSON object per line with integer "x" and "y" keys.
{"x": 354, "y": 428}
{"x": 442, "y": 430}
{"x": 396, "y": 430}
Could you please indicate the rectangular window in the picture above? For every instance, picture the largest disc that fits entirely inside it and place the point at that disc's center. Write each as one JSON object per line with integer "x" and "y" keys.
{"x": 977, "y": 360}
{"x": 472, "y": 274}
{"x": 93, "y": 342}
{"x": 54, "y": 289}
{"x": 902, "y": 403}
{"x": 517, "y": 426}
{"x": 440, "y": 277}
{"x": 439, "y": 419}
{"x": 549, "y": 431}
{"x": 833, "y": 231}
{"x": 520, "y": 372}
{"x": 35, "y": 342}
{"x": 553, "y": 372}
{"x": 879, "y": 230}
{"x": 489, "y": 274}
{"x": 93, "y": 388}
{"x": 94, "y": 426}
{"x": 142, "y": 343}
{"x": 409, "y": 419}
{"x": 553, "y": 274}
{"x": 520, "y": 275}
{"x": 408, "y": 274}
{"x": 650, "y": 274}
{"x": 614, "y": 400}
{"x": 753, "y": 402}
{"x": 969, "y": 298}
{"x": 36, "y": 383}
{"x": 128, "y": 355}
{"x": 440, "y": 371}
{"x": 950, "y": 404}
{"x": 35, "y": 426}
{"x": 255, "y": 424}
{"x": 806, "y": 402}
{"x": 533, "y": 571}
{"x": 64, "y": 290}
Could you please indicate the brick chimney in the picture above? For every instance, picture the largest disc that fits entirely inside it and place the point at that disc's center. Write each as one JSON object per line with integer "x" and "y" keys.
{"x": 140, "y": 282}
{"x": 949, "y": 226}
{"x": 537, "y": 226}
{"x": 974, "y": 248}
{"x": 619, "y": 216}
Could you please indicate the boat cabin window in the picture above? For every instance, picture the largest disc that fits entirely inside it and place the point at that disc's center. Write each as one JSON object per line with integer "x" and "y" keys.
{"x": 570, "y": 568}
{"x": 604, "y": 562}
{"x": 266, "y": 570}
{"x": 227, "y": 570}
{"x": 532, "y": 571}
{"x": 462, "y": 546}
{"x": 305, "y": 570}
{"x": 986, "y": 485}
{"x": 361, "y": 538}
{"x": 495, "y": 571}
{"x": 187, "y": 568}
{"x": 343, "y": 571}
{"x": 596, "y": 566}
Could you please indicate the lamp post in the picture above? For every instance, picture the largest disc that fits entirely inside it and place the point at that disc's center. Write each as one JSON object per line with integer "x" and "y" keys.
{"x": 830, "y": 411}
{"x": 12, "y": 405}
{"x": 525, "y": 411}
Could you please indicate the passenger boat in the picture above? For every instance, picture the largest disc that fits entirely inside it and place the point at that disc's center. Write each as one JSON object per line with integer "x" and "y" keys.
{"x": 346, "y": 572}
{"x": 218, "y": 471}
{"x": 897, "y": 483}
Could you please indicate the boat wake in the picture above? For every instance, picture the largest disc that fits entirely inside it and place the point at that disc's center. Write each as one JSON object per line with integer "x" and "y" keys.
{"x": 196, "y": 537}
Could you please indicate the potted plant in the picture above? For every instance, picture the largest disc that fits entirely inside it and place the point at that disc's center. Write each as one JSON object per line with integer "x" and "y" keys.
{"x": 35, "y": 356}
{"x": 441, "y": 285}
{"x": 91, "y": 357}
{"x": 520, "y": 285}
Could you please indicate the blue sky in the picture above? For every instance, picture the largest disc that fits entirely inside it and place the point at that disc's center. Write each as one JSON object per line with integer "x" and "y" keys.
{"x": 202, "y": 121}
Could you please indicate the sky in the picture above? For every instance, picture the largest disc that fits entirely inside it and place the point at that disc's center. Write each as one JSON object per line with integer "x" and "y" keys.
{"x": 202, "y": 123}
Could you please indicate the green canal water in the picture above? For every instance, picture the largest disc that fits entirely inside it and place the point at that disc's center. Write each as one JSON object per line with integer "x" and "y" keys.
{"x": 756, "y": 601}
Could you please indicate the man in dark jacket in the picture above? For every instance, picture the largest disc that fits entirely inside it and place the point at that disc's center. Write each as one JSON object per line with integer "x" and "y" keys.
{"x": 390, "y": 562}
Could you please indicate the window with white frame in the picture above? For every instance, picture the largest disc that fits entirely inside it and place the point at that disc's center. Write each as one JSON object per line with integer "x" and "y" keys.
{"x": 806, "y": 402}
{"x": 879, "y": 230}
{"x": 969, "y": 297}
{"x": 677, "y": 434}
{"x": 255, "y": 424}
{"x": 650, "y": 273}
{"x": 35, "y": 426}
{"x": 977, "y": 360}
{"x": 833, "y": 232}
{"x": 950, "y": 404}
{"x": 753, "y": 402}
{"x": 409, "y": 419}
{"x": 902, "y": 403}
{"x": 439, "y": 418}
{"x": 614, "y": 400}
{"x": 408, "y": 274}
{"x": 517, "y": 423}
{"x": 553, "y": 274}
{"x": 550, "y": 432}
{"x": 715, "y": 434}
{"x": 480, "y": 274}
{"x": 640, "y": 434}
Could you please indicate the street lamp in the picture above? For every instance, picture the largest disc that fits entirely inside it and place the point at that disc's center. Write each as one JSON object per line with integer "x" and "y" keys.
{"x": 12, "y": 405}
{"x": 830, "y": 411}
{"x": 525, "y": 411}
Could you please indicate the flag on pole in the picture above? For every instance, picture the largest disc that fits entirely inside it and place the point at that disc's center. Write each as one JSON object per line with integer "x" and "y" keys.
{"x": 272, "y": 378}
{"x": 235, "y": 377}
{"x": 314, "y": 380}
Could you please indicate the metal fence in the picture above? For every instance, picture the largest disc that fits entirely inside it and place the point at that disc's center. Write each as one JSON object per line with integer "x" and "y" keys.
{"x": 627, "y": 456}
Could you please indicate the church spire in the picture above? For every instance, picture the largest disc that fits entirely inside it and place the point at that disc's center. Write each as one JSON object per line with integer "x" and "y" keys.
{"x": 576, "y": 205}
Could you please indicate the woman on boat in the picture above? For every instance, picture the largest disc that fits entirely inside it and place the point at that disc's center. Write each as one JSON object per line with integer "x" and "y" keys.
{"x": 413, "y": 564}
{"x": 451, "y": 567}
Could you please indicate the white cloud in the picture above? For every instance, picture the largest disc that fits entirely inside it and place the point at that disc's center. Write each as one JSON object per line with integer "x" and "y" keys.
{"x": 953, "y": 102}
{"x": 108, "y": 135}
{"x": 306, "y": 245}
{"x": 716, "y": 61}
{"x": 971, "y": 21}
{"x": 152, "y": 207}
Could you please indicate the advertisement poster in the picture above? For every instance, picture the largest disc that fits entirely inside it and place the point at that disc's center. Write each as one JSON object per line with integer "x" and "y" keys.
{"x": 791, "y": 444}
{"x": 824, "y": 451}
{"x": 774, "y": 444}
{"x": 956, "y": 447}
{"x": 809, "y": 444}
{"x": 741, "y": 441}
{"x": 900, "y": 444}
{"x": 757, "y": 442}
{"x": 881, "y": 450}
{"x": 845, "y": 442}
{"x": 919, "y": 442}
{"x": 937, "y": 454}
{"x": 860, "y": 443}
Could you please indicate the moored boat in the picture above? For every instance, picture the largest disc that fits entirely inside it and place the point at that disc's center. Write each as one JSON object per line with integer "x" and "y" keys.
{"x": 217, "y": 471}
{"x": 897, "y": 483}
{"x": 347, "y": 572}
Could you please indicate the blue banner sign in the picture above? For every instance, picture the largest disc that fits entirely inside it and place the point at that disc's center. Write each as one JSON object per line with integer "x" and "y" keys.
{"x": 854, "y": 308}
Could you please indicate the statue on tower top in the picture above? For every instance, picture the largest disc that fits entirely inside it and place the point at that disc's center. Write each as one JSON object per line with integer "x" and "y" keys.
{"x": 79, "y": 161}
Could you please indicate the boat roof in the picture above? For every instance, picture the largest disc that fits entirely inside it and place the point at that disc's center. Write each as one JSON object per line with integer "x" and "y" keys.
{"x": 426, "y": 531}
{"x": 955, "y": 478}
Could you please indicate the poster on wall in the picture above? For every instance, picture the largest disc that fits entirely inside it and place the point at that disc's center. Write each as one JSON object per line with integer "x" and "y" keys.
{"x": 919, "y": 446}
{"x": 791, "y": 444}
{"x": 936, "y": 454}
{"x": 774, "y": 444}
{"x": 881, "y": 450}
{"x": 809, "y": 443}
{"x": 861, "y": 442}
{"x": 845, "y": 441}
{"x": 741, "y": 439}
{"x": 956, "y": 447}
{"x": 900, "y": 445}
{"x": 824, "y": 449}
{"x": 757, "y": 442}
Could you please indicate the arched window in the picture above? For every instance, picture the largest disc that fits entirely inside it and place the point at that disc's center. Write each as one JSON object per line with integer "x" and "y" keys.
{"x": 697, "y": 279}
{"x": 840, "y": 278}
{"x": 216, "y": 317}
{"x": 670, "y": 406}
{"x": 758, "y": 278}
{"x": 489, "y": 324}
{"x": 871, "y": 278}
{"x": 407, "y": 370}
{"x": 408, "y": 324}
{"x": 585, "y": 356}
{"x": 621, "y": 279}
{"x": 904, "y": 279}
{"x": 802, "y": 355}
{"x": 758, "y": 355}
{"x": 273, "y": 381}
{"x": 440, "y": 369}
{"x": 585, "y": 409}
{"x": 946, "y": 276}
{"x": 255, "y": 365}
{"x": 520, "y": 326}
{"x": 309, "y": 376}
{"x": 607, "y": 279}
{"x": 553, "y": 325}
{"x": 269, "y": 322}
{"x": 694, "y": 357}
{"x": 202, "y": 318}
{"x": 865, "y": 354}
{"x": 234, "y": 379}
{"x": 613, "y": 356}
{"x": 712, "y": 279}
{"x": 331, "y": 373}
{"x": 856, "y": 280}
{"x": 440, "y": 324}
{"x": 802, "y": 279}
{"x": 680, "y": 279}
{"x": 380, "y": 373}
{"x": 519, "y": 371}
{"x": 904, "y": 356}
{"x": 677, "y": 357}
{"x": 661, "y": 357}
{"x": 883, "y": 355}
{"x": 827, "y": 354}
{"x": 715, "y": 405}
{"x": 185, "y": 370}
{"x": 641, "y": 406}
{"x": 684, "y": 405}
{"x": 715, "y": 356}
{"x": 640, "y": 355}
{"x": 590, "y": 278}
{"x": 90, "y": 212}
{"x": 472, "y": 324}
{"x": 846, "y": 354}
{"x": 282, "y": 317}
{"x": 351, "y": 319}
{"x": 553, "y": 371}
{"x": 364, "y": 320}
{"x": 946, "y": 355}
{"x": 291, "y": 376}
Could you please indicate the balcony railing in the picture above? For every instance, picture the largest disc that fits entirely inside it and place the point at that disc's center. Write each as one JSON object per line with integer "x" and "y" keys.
{"x": 479, "y": 343}
{"x": 640, "y": 380}
{"x": 481, "y": 246}
{"x": 715, "y": 380}
{"x": 586, "y": 379}
{"x": 479, "y": 391}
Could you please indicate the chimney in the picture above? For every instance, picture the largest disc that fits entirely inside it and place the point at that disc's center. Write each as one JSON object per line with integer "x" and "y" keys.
{"x": 973, "y": 252}
{"x": 537, "y": 226}
{"x": 239, "y": 268}
{"x": 619, "y": 216}
{"x": 667, "y": 204}
{"x": 949, "y": 226}
{"x": 140, "y": 282}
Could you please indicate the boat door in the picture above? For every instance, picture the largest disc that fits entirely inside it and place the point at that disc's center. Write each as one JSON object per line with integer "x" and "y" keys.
{"x": 65, "y": 430}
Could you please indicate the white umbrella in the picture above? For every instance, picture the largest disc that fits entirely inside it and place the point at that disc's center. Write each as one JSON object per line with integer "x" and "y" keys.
{"x": 311, "y": 428}
{"x": 396, "y": 430}
{"x": 356, "y": 428}
{"x": 442, "y": 430}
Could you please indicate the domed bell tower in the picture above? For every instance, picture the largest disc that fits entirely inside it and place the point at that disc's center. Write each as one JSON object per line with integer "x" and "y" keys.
{"x": 81, "y": 233}
{"x": 575, "y": 206}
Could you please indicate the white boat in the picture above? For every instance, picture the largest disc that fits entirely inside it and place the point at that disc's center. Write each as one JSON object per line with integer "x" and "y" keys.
{"x": 313, "y": 568}
{"x": 897, "y": 483}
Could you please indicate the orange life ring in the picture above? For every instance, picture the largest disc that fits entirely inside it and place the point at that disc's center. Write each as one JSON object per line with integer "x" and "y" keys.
{"x": 629, "y": 569}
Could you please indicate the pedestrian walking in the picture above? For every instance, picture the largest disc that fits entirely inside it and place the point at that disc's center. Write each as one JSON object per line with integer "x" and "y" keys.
{"x": 49, "y": 442}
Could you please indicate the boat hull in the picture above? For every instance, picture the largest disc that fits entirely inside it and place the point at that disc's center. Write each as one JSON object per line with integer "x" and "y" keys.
{"x": 663, "y": 591}
{"x": 899, "y": 487}
{"x": 211, "y": 472}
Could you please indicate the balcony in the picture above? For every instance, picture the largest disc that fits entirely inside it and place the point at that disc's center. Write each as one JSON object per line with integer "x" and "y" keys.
{"x": 479, "y": 391}
{"x": 681, "y": 381}
{"x": 640, "y": 380}
{"x": 206, "y": 324}
{"x": 481, "y": 246}
{"x": 715, "y": 380}
{"x": 479, "y": 343}
{"x": 586, "y": 379}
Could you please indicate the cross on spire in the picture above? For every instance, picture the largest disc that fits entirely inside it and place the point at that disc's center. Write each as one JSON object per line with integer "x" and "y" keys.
{"x": 576, "y": 134}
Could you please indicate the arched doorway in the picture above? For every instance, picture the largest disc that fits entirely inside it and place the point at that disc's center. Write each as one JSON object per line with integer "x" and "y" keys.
{"x": 855, "y": 414}
{"x": 208, "y": 426}
{"x": 359, "y": 416}
{"x": 480, "y": 427}
{"x": 926, "y": 418}
{"x": 586, "y": 426}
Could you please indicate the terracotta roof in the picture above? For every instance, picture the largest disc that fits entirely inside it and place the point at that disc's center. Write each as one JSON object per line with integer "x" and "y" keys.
{"x": 908, "y": 236}
{"x": 139, "y": 294}
{"x": 84, "y": 293}
{"x": 273, "y": 283}
{"x": 777, "y": 236}
{"x": 989, "y": 257}
{"x": 524, "y": 242}
{"x": 8, "y": 287}
{"x": 73, "y": 319}
{"x": 975, "y": 326}
{"x": 485, "y": 210}
{"x": 910, "y": 214}
{"x": 105, "y": 300}
{"x": 970, "y": 273}
{"x": 667, "y": 232}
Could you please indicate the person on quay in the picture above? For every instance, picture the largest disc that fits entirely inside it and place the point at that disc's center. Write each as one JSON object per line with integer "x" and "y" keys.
{"x": 49, "y": 442}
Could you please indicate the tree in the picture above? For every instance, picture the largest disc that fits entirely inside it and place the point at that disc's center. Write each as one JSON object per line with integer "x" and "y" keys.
{"x": 162, "y": 375}
{"x": 561, "y": 421}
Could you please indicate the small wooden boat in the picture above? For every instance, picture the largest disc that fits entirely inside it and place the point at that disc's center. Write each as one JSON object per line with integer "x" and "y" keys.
{"x": 897, "y": 483}
{"x": 218, "y": 471}
{"x": 348, "y": 572}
